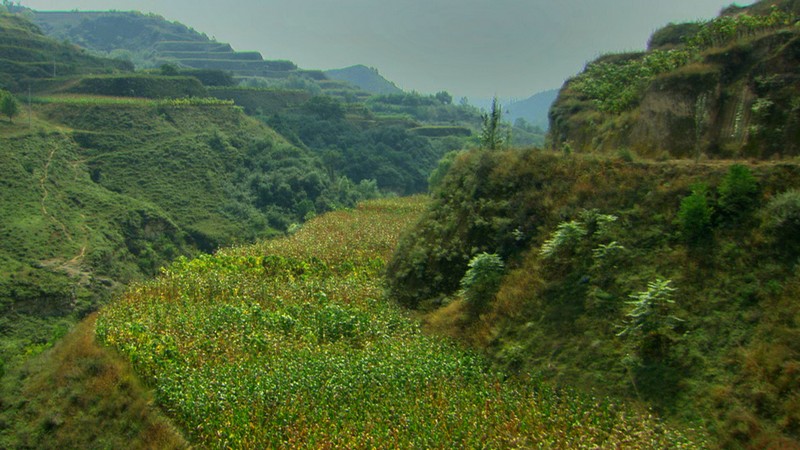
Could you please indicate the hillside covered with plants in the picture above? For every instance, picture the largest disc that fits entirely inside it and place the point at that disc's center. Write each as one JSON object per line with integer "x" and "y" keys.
{"x": 26, "y": 56}
{"x": 669, "y": 283}
{"x": 149, "y": 40}
{"x": 260, "y": 285}
{"x": 726, "y": 88}
{"x": 290, "y": 343}
{"x": 110, "y": 174}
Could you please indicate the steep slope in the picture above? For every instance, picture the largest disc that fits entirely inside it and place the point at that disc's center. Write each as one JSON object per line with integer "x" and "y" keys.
{"x": 670, "y": 283}
{"x": 366, "y": 78}
{"x": 724, "y": 89}
{"x": 102, "y": 191}
{"x": 81, "y": 395}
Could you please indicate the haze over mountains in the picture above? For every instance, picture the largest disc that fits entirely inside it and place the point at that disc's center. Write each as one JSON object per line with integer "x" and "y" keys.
{"x": 510, "y": 48}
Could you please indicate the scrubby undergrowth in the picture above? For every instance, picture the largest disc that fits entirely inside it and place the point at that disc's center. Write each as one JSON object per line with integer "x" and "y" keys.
{"x": 79, "y": 395}
{"x": 666, "y": 282}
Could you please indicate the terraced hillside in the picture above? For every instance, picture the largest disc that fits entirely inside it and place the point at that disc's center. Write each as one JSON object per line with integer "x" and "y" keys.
{"x": 150, "y": 41}
{"x": 27, "y": 56}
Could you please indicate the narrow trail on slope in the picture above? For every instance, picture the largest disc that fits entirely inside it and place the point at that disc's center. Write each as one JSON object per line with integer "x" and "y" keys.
{"x": 45, "y": 195}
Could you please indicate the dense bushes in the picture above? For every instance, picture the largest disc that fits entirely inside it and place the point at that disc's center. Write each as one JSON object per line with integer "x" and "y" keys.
{"x": 398, "y": 160}
{"x": 622, "y": 277}
{"x": 617, "y": 85}
{"x": 694, "y": 217}
{"x": 149, "y": 86}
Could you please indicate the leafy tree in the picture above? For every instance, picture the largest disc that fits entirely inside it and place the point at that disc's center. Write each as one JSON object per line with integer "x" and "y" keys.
{"x": 491, "y": 137}
{"x": 444, "y": 97}
{"x": 651, "y": 324}
{"x": 694, "y": 217}
{"x": 170, "y": 70}
{"x": 482, "y": 280}
{"x": 437, "y": 176}
{"x": 325, "y": 107}
{"x": 737, "y": 191}
{"x": 8, "y": 105}
{"x": 567, "y": 235}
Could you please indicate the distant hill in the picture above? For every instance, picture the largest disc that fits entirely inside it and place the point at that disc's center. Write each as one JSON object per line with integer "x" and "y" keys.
{"x": 26, "y": 55}
{"x": 366, "y": 78}
{"x": 533, "y": 109}
{"x": 149, "y": 40}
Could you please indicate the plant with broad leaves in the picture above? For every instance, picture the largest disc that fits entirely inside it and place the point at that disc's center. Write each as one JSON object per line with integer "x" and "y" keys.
{"x": 482, "y": 280}
{"x": 650, "y": 323}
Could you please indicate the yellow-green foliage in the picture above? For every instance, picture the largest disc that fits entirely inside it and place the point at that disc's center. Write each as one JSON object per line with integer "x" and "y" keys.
{"x": 94, "y": 100}
{"x": 290, "y": 344}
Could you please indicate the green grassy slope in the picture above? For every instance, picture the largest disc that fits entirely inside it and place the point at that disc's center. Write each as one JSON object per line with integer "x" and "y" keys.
{"x": 722, "y": 356}
{"x": 80, "y": 395}
{"x": 290, "y": 344}
{"x": 66, "y": 240}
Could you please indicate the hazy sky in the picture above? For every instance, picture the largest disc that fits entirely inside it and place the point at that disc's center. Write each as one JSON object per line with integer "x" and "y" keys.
{"x": 473, "y": 48}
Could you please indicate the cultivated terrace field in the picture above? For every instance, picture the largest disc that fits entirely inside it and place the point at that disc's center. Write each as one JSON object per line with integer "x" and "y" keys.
{"x": 291, "y": 344}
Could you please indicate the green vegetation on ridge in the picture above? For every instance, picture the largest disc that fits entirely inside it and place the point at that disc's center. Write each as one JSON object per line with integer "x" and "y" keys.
{"x": 720, "y": 89}
{"x": 629, "y": 279}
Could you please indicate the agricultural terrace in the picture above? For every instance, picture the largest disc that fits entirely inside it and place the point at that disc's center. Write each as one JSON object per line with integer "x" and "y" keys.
{"x": 290, "y": 344}
{"x": 95, "y": 100}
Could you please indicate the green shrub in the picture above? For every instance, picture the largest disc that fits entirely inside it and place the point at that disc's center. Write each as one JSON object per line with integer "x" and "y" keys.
{"x": 650, "y": 323}
{"x": 8, "y": 105}
{"x": 567, "y": 235}
{"x": 783, "y": 217}
{"x": 694, "y": 217}
{"x": 482, "y": 280}
{"x": 436, "y": 177}
{"x": 737, "y": 192}
{"x": 650, "y": 310}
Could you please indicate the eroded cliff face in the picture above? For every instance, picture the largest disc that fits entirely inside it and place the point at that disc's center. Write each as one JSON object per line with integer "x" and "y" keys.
{"x": 741, "y": 101}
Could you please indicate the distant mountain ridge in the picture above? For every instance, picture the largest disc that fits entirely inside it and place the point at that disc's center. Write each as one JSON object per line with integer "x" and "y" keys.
{"x": 366, "y": 78}
{"x": 533, "y": 109}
